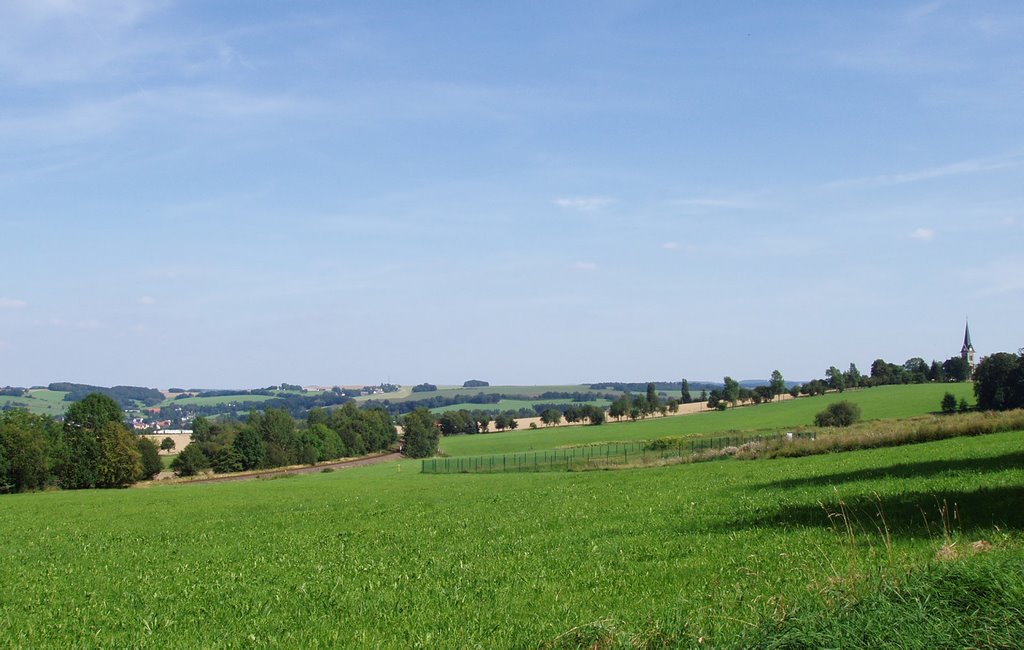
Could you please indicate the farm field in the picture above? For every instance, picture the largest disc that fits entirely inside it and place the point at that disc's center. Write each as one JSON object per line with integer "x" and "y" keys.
{"x": 516, "y": 404}
{"x": 881, "y": 402}
{"x": 722, "y": 553}
{"x": 406, "y": 393}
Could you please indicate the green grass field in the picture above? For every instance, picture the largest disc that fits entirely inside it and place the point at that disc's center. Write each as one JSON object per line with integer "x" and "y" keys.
{"x": 876, "y": 403}
{"x": 725, "y": 554}
{"x": 216, "y": 401}
{"x": 41, "y": 402}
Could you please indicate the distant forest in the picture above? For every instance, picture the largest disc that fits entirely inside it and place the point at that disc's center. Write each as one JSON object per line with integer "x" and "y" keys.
{"x": 125, "y": 396}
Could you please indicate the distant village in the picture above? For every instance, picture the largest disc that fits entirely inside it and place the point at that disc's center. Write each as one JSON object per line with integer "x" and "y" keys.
{"x": 148, "y": 419}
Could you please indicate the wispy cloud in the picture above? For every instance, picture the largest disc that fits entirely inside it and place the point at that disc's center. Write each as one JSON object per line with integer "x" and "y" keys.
{"x": 584, "y": 203}
{"x": 92, "y": 118}
{"x": 147, "y": 300}
{"x": 997, "y": 277}
{"x": 64, "y": 40}
{"x": 972, "y": 166}
{"x": 704, "y": 204}
{"x": 670, "y": 246}
{"x": 585, "y": 266}
{"x": 924, "y": 234}
{"x": 12, "y": 303}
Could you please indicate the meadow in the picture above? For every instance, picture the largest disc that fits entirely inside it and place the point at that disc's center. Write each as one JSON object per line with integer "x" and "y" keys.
{"x": 39, "y": 401}
{"x": 216, "y": 401}
{"x": 882, "y": 402}
{"x": 726, "y": 553}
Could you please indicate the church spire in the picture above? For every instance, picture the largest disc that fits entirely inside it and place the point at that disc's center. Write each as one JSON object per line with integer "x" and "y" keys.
{"x": 967, "y": 352}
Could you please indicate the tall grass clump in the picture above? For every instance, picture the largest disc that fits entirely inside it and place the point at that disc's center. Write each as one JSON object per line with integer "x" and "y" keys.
{"x": 893, "y": 433}
{"x": 971, "y": 602}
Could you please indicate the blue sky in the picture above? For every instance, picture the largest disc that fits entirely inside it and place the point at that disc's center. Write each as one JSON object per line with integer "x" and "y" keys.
{"x": 240, "y": 194}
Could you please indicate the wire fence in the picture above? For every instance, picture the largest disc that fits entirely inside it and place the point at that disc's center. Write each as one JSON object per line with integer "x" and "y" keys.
{"x": 591, "y": 456}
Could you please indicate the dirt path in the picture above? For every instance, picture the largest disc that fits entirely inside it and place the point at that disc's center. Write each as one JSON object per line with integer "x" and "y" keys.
{"x": 304, "y": 469}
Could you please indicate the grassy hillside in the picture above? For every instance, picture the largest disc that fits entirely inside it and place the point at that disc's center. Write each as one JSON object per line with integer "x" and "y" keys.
{"x": 876, "y": 403}
{"x": 726, "y": 553}
{"x": 42, "y": 402}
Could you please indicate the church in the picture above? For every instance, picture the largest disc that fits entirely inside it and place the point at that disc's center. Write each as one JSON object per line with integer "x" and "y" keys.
{"x": 967, "y": 351}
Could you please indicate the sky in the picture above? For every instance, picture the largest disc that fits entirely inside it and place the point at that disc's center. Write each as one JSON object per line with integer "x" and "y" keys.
{"x": 238, "y": 194}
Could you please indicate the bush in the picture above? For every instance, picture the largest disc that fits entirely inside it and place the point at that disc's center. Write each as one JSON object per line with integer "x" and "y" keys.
{"x": 838, "y": 414}
{"x": 226, "y": 460}
{"x": 190, "y": 462}
{"x": 949, "y": 403}
{"x": 151, "y": 463}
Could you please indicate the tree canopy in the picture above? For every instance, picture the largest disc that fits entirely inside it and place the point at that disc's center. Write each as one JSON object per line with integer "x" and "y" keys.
{"x": 999, "y": 382}
{"x": 101, "y": 452}
{"x": 420, "y": 434}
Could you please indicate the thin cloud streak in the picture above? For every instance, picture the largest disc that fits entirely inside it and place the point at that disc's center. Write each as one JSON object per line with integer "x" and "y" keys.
{"x": 584, "y": 203}
{"x": 96, "y": 118}
{"x": 973, "y": 166}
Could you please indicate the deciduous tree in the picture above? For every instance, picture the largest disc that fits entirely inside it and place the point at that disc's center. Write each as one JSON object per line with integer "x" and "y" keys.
{"x": 190, "y": 461}
{"x": 999, "y": 382}
{"x": 101, "y": 452}
{"x": 731, "y": 391}
{"x": 149, "y": 456}
{"x": 420, "y": 434}
{"x": 25, "y": 450}
{"x": 777, "y": 384}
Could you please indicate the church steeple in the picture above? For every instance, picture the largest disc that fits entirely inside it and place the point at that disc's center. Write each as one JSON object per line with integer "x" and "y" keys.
{"x": 967, "y": 351}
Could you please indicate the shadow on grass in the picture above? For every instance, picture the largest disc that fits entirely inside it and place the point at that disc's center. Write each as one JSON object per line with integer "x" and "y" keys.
{"x": 911, "y": 514}
{"x": 1013, "y": 460}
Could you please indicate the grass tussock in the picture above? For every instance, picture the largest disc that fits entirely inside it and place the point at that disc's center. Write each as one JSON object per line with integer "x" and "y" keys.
{"x": 872, "y": 435}
{"x": 974, "y": 601}
{"x": 969, "y": 595}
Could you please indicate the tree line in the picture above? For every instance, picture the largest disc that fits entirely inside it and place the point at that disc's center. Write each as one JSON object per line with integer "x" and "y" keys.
{"x": 298, "y": 405}
{"x": 125, "y": 396}
{"x": 92, "y": 448}
{"x": 274, "y": 438}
